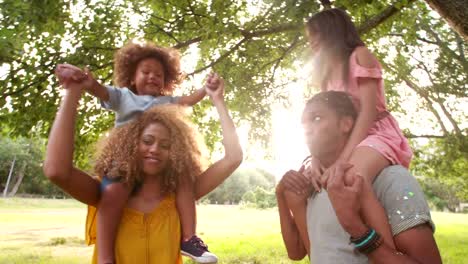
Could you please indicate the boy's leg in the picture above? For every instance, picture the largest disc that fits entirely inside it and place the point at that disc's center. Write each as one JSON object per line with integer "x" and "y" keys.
{"x": 185, "y": 200}
{"x": 114, "y": 196}
{"x": 298, "y": 206}
{"x": 191, "y": 245}
{"x": 368, "y": 162}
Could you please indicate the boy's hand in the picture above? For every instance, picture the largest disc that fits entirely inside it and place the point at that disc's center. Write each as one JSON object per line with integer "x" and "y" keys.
{"x": 213, "y": 81}
{"x": 214, "y": 87}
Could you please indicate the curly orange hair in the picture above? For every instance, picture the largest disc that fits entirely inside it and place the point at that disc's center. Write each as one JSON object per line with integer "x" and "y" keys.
{"x": 118, "y": 155}
{"x": 126, "y": 60}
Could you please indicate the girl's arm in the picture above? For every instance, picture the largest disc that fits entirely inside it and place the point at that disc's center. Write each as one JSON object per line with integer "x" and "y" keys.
{"x": 58, "y": 164}
{"x": 224, "y": 167}
{"x": 367, "y": 162}
{"x": 368, "y": 88}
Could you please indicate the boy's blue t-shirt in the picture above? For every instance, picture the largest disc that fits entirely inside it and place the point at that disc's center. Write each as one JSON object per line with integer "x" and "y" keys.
{"x": 128, "y": 105}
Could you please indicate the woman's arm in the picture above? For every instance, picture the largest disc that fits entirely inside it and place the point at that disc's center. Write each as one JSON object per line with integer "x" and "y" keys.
{"x": 58, "y": 164}
{"x": 233, "y": 155}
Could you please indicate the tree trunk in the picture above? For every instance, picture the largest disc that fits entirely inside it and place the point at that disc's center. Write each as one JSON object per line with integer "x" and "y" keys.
{"x": 455, "y": 12}
{"x": 18, "y": 181}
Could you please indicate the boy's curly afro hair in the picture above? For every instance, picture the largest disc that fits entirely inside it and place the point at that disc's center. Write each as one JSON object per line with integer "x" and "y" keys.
{"x": 127, "y": 58}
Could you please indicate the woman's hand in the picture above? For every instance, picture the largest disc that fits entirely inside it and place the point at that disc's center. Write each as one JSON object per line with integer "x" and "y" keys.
{"x": 215, "y": 87}
{"x": 72, "y": 77}
{"x": 67, "y": 73}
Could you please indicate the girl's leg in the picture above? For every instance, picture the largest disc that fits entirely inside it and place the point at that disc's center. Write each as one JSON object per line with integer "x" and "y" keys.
{"x": 297, "y": 203}
{"x": 109, "y": 212}
{"x": 368, "y": 163}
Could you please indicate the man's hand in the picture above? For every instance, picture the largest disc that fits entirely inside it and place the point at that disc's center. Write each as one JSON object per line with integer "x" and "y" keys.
{"x": 313, "y": 171}
{"x": 294, "y": 181}
{"x": 345, "y": 199}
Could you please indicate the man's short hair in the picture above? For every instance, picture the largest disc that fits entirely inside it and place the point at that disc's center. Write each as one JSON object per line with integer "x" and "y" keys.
{"x": 340, "y": 102}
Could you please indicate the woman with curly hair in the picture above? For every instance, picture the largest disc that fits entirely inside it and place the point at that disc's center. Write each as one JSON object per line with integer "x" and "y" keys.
{"x": 145, "y": 75}
{"x": 154, "y": 153}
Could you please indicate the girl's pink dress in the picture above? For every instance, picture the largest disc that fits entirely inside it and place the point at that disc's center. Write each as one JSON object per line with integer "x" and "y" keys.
{"x": 385, "y": 136}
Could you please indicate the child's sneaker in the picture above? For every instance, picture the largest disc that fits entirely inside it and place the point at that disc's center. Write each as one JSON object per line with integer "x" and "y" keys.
{"x": 197, "y": 250}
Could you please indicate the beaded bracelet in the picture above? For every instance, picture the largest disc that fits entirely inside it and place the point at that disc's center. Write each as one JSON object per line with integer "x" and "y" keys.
{"x": 376, "y": 244}
{"x": 357, "y": 240}
{"x": 367, "y": 243}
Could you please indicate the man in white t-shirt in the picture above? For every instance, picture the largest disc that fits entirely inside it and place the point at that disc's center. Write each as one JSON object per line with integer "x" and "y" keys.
{"x": 332, "y": 215}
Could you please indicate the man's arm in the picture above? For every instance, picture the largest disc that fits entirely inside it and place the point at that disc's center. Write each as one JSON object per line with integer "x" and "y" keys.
{"x": 415, "y": 245}
{"x": 419, "y": 243}
{"x": 289, "y": 231}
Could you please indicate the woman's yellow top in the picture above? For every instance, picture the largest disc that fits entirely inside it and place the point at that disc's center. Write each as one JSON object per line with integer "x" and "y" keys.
{"x": 152, "y": 238}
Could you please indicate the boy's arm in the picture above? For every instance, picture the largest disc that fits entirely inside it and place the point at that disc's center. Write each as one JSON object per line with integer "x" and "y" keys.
{"x": 93, "y": 87}
{"x": 192, "y": 99}
{"x": 67, "y": 73}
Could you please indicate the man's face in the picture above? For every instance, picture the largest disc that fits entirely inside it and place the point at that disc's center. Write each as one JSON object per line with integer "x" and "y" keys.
{"x": 324, "y": 131}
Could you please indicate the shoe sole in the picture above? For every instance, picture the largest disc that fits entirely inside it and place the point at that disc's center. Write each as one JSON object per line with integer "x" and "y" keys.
{"x": 194, "y": 258}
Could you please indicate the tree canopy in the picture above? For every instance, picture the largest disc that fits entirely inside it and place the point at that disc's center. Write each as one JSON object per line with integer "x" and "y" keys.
{"x": 254, "y": 45}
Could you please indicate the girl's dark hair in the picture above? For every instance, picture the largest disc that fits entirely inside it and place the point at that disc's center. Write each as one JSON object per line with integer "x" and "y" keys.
{"x": 338, "y": 36}
{"x": 340, "y": 102}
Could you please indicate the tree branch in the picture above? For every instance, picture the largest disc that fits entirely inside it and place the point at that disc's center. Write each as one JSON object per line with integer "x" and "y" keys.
{"x": 454, "y": 12}
{"x": 187, "y": 43}
{"x": 229, "y": 52}
{"x": 449, "y": 117}
{"x": 164, "y": 31}
{"x": 421, "y": 92}
{"x": 278, "y": 60}
{"x": 418, "y": 38}
{"x": 379, "y": 18}
{"x": 424, "y": 136}
{"x": 277, "y": 29}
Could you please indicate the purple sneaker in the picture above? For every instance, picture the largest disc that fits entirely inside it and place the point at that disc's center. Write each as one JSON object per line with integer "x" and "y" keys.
{"x": 197, "y": 250}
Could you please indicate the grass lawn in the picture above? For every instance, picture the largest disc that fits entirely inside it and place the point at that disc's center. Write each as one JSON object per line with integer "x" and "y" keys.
{"x": 52, "y": 231}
